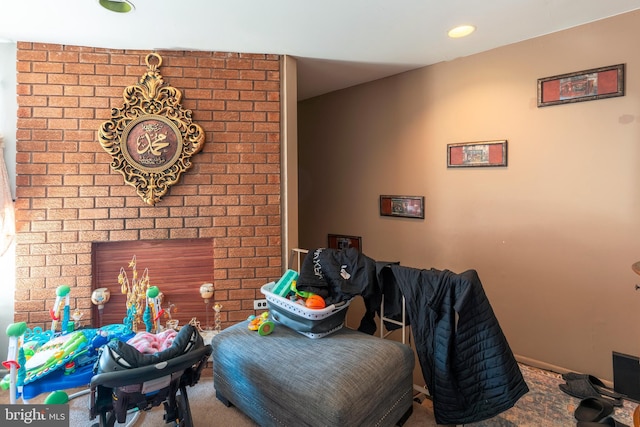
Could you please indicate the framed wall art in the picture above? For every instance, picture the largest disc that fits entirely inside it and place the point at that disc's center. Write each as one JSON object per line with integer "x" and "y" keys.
{"x": 477, "y": 154}
{"x": 403, "y": 206}
{"x": 339, "y": 241}
{"x": 151, "y": 139}
{"x": 587, "y": 85}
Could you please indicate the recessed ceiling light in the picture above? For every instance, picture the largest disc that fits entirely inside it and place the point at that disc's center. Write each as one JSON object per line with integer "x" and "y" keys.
{"x": 461, "y": 31}
{"x": 120, "y": 6}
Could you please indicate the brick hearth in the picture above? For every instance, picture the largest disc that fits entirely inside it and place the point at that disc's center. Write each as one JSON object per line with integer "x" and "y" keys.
{"x": 68, "y": 197}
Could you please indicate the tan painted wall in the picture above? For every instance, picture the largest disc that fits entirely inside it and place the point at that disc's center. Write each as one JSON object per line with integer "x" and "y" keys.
{"x": 553, "y": 235}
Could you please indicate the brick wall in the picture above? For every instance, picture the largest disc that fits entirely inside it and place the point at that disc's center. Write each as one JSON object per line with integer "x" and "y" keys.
{"x": 68, "y": 196}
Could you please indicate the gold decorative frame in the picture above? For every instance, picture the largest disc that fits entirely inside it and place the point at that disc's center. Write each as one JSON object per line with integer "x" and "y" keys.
{"x": 151, "y": 138}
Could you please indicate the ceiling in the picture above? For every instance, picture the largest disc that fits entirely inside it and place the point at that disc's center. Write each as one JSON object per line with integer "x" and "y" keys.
{"x": 338, "y": 43}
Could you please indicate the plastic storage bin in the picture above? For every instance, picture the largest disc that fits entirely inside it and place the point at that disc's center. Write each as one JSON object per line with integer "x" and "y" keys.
{"x": 313, "y": 323}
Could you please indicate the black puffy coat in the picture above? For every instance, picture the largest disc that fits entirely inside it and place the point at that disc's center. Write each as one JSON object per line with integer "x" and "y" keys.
{"x": 466, "y": 360}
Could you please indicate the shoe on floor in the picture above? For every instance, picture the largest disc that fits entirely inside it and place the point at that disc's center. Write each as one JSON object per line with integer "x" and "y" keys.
{"x": 597, "y": 384}
{"x": 593, "y": 409}
{"x": 606, "y": 421}
{"x": 582, "y": 389}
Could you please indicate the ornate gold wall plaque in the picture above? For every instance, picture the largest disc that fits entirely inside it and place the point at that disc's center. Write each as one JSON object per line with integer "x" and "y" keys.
{"x": 151, "y": 138}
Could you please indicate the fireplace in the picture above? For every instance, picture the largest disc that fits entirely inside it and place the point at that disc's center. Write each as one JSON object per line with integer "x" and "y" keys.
{"x": 178, "y": 267}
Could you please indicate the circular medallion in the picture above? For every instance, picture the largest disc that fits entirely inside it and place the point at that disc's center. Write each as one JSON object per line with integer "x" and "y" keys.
{"x": 151, "y": 143}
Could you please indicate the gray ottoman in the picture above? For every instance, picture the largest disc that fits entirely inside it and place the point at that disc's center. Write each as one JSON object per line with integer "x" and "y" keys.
{"x": 286, "y": 379}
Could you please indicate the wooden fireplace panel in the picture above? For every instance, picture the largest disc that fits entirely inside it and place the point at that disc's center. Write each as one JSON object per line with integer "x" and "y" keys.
{"x": 177, "y": 267}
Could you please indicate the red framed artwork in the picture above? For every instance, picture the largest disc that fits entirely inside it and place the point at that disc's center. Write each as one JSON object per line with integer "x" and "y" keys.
{"x": 588, "y": 85}
{"x": 474, "y": 154}
{"x": 339, "y": 241}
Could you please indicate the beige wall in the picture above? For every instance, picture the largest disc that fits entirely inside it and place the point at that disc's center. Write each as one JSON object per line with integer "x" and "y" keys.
{"x": 552, "y": 236}
{"x": 289, "y": 156}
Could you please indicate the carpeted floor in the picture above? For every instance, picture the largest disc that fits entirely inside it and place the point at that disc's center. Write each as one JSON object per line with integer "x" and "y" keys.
{"x": 544, "y": 406}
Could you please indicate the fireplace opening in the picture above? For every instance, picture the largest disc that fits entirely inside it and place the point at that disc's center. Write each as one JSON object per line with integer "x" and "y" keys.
{"x": 178, "y": 267}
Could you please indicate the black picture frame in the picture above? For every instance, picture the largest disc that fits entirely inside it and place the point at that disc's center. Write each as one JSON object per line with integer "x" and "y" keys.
{"x": 402, "y": 206}
{"x": 341, "y": 241}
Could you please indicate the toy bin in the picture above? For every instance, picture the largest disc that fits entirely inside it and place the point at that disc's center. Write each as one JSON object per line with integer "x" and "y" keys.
{"x": 313, "y": 323}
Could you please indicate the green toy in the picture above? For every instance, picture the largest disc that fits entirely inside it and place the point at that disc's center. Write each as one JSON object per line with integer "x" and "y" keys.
{"x": 56, "y": 398}
{"x": 261, "y": 323}
{"x": 15, "y": 331}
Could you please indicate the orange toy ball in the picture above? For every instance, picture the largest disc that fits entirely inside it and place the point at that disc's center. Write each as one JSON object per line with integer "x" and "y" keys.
{"x": 315, "y": 302}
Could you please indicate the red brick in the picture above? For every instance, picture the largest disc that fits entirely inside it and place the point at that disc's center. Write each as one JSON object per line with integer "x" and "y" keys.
{"x": 253, "y": 158}
{"x": 47, "y": 112}
{"x": 252, "y": 179}
{"x": 240, "y": 105}
{"x": 75, "y": 68}
{"x": 94, "y": 102}
{"x": 51, "y": 68}
{"x": 226, "y": 74}
{"x": 123, "y": 235}
{"x": 81, "y": 113}
{"x": 85, "y": 91}
{"x": 79, "y": 180}
{"x": 76, "y": 270}
{"x": 253, "y": 75}
{"x": 136, "y": 224}
{"x": 46, "y": 159}
{"x": 246, "y": 95}
{"x": 64, "y": 260}
{"x": 46, "y": 203}
{"x": 95, "y": 213}
{"x": 45, "y": 272}
{"x": 93, "y": 193}
{"x": 267, "y": 85}
{"x": 30, "y": 55}
{"x": 29, "y": 306}
{"x": 63, "y": 123}
{"x": 33, "y": 123}
{"x": 110, "y": 224}
{"x": 240, "y": 210}
{"x": 108, "y": 70}
{"x": 54, "y": 214}
{"x": 183, "y": 84}
{"x": 199, "y": 73}
{"x": 63, "y": 56}
{"x": 62, "y": 237}
{"x": 266, "y": 65}
{"x": 253, "y": 200}
{"x": 241, "y": 64}
{"x": 211, "y": 63}
{"x": 231, "y": 193}
{"x": 154, "y": 234}
{"x": 183, "y": 233}
{"x": 62, "y": 192}
{"x": 96, "y": 58}
{"x": 204, "y": 222}
{"x": 63, "y": 146}
{"x": 241, "y": 168}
